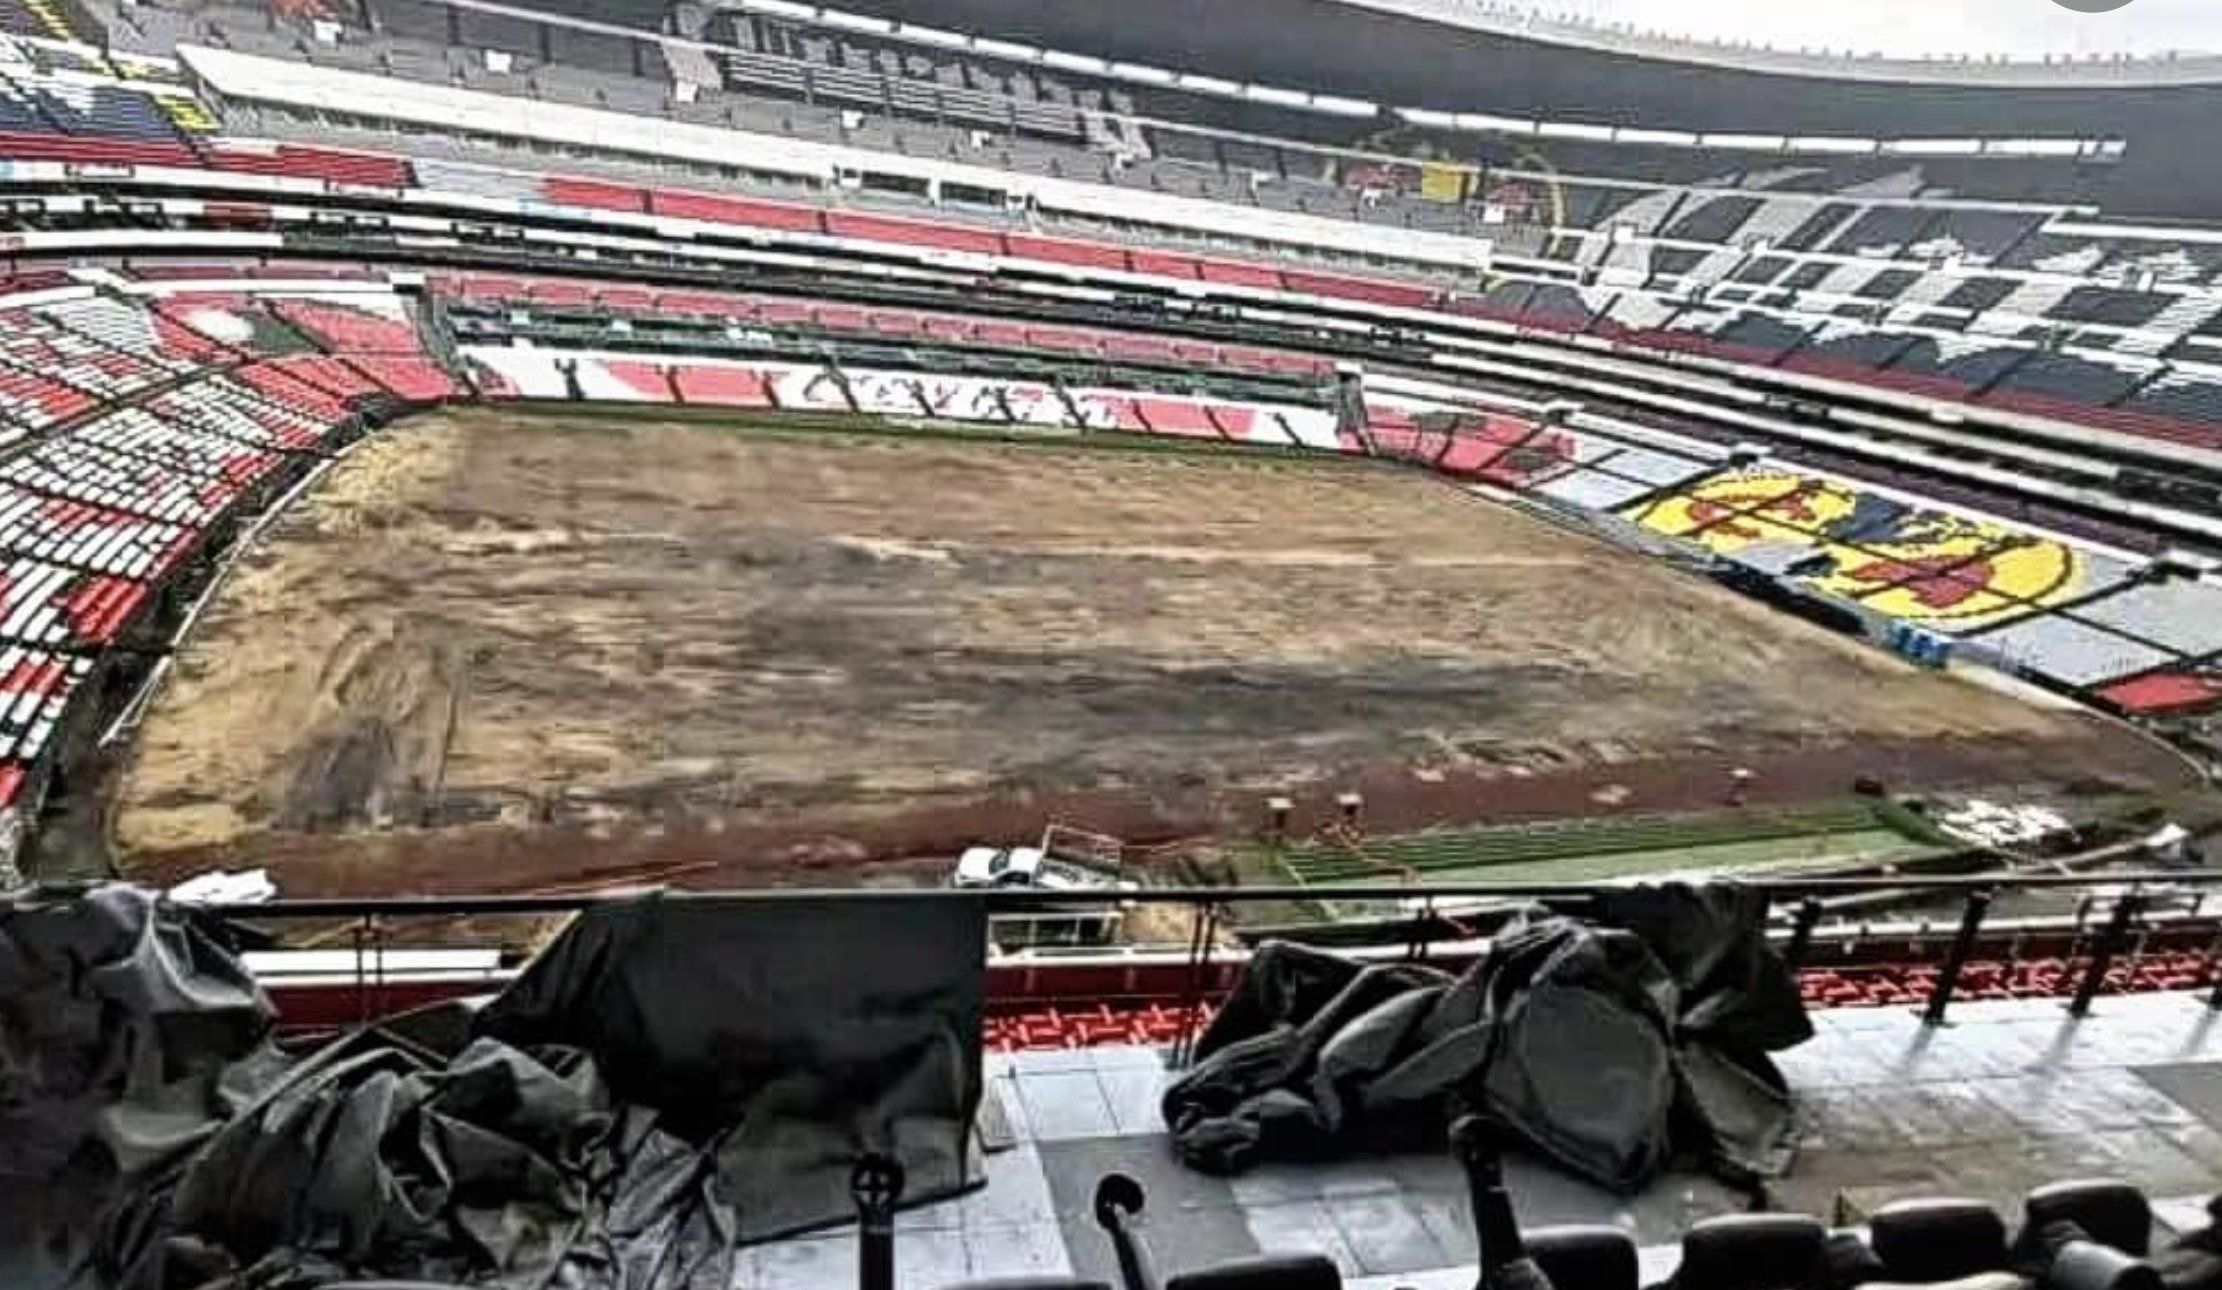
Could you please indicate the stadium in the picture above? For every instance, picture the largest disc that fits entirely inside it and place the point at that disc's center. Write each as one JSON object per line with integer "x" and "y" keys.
{"x": 1124, "y": 626}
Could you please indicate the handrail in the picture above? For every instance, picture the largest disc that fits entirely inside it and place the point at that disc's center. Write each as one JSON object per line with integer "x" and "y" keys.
{"x": 998, "y": 899}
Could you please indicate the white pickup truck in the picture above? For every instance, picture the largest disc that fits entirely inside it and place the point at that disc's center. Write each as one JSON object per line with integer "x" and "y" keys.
{"x": 1028, "y": 867}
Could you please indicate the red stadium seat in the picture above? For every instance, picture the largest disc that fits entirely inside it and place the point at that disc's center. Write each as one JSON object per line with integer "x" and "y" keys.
{"x": 880, "y": 228}
{"x": 1095, "y": 255}
{"x": 1239, "y": 273}
{"x": 347, "y": 329}
{"x": 300, "y": 161}
{"x": 631, "y": 300}
{"x": 414, "y": 378}
{"x": 1402, "y": 295}
{"x": 1163, "y": 264}
{"x": 735, "y": 210}
{"x": 593, "y": 193}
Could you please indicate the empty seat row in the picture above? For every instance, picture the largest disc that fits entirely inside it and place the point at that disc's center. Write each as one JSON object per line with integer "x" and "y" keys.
{"x": 348, "y": 328}
{"x": 2094, "y": 1235}
{"x": 187, "y": 453}
{"x": 85, "y": 536}
{"x": 2085, "y": 1235}
{"x": 60, "y": 356}
{"x": 30, "y": 401}
{"x": 413, "y": 378}
{"x": 105, "y": 477}
{"x": 299, "y": 161}
{"x": 36, "y": 686}
{"x": 221, "y": 408}
{"x": 312, "y": 383}
{"x": 778, "y": 311}
{"x": 103, "y": 110}
{"x": 119, "y": 326}
{"x": 56, "y": 607}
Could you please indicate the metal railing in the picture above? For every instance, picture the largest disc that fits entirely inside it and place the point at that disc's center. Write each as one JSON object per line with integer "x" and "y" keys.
{"x": 2115, "y": 915}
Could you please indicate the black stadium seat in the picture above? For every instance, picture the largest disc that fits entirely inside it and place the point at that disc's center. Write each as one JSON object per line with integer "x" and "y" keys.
{"x": 1593, "y": 1258}
{"x": 2088, "y": 1265}
{"x": 1266, "y": 1272}
{"x": 1937, "y": 1240}
{"x": 1753, "y": 1252}
{"x": 2111, "y": 1213}
{"x": 1030, "y": 1283}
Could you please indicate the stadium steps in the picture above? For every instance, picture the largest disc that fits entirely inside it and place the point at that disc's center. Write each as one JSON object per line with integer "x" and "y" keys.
{"x": 1435, "y": 852}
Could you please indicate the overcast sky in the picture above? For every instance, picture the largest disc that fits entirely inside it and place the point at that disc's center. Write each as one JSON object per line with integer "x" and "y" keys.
{"x": 1909, "y": 28}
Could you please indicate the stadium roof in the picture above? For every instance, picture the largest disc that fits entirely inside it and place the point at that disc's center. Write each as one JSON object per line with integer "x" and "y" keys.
{"x": 2020, "y": 30}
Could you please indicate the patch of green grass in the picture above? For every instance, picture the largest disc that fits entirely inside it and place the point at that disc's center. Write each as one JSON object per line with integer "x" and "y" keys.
{"x": 1556, "y": 842}
{"x": 1761, "y": 855}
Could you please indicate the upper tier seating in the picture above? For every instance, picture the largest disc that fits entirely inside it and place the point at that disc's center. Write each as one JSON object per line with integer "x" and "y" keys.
{"x": 1738, "y": 241}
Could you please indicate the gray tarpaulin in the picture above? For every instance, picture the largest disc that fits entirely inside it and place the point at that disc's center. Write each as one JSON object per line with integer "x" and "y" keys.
{"x": 801, "y": 1032}
{"x": 1608, "y": 1041}
{"x": 672, "y": 1077}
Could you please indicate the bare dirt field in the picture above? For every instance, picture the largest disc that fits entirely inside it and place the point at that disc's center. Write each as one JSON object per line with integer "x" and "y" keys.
{"x": 498, "y": 651}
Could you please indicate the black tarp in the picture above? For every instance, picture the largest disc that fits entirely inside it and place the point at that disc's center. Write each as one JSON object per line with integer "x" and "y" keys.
{"x": 673, "y": 1077}
{"x": 1609, "y": 1037}
{"x": 804, "y": 1032}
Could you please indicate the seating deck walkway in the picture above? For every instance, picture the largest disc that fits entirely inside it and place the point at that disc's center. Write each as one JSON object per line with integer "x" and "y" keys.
{"x": 2009, "y": 1096}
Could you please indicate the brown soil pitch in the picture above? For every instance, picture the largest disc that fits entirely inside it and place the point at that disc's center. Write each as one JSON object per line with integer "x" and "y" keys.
{"x": 499, "y": 651}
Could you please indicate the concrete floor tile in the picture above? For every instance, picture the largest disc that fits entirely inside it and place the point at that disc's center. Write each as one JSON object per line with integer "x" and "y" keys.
{"x": 1134, "y": 1095}
{"x": 1385, "y": 1234}
{"x": 1028, "y": 1250}
{"x": 931, "y": 1259}
{"x": 1301, "y": 1226}
{"x": 1061, "y": 1105}
{"x": 1449, "y": 1222}
{"x": 1074, "y": 1168}
{"x": 1129, "y": 1057}
{"x": 1016, "y": 1195}
{"x": 1052, "y": 1061}
{"x": 801, "y": 1265}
